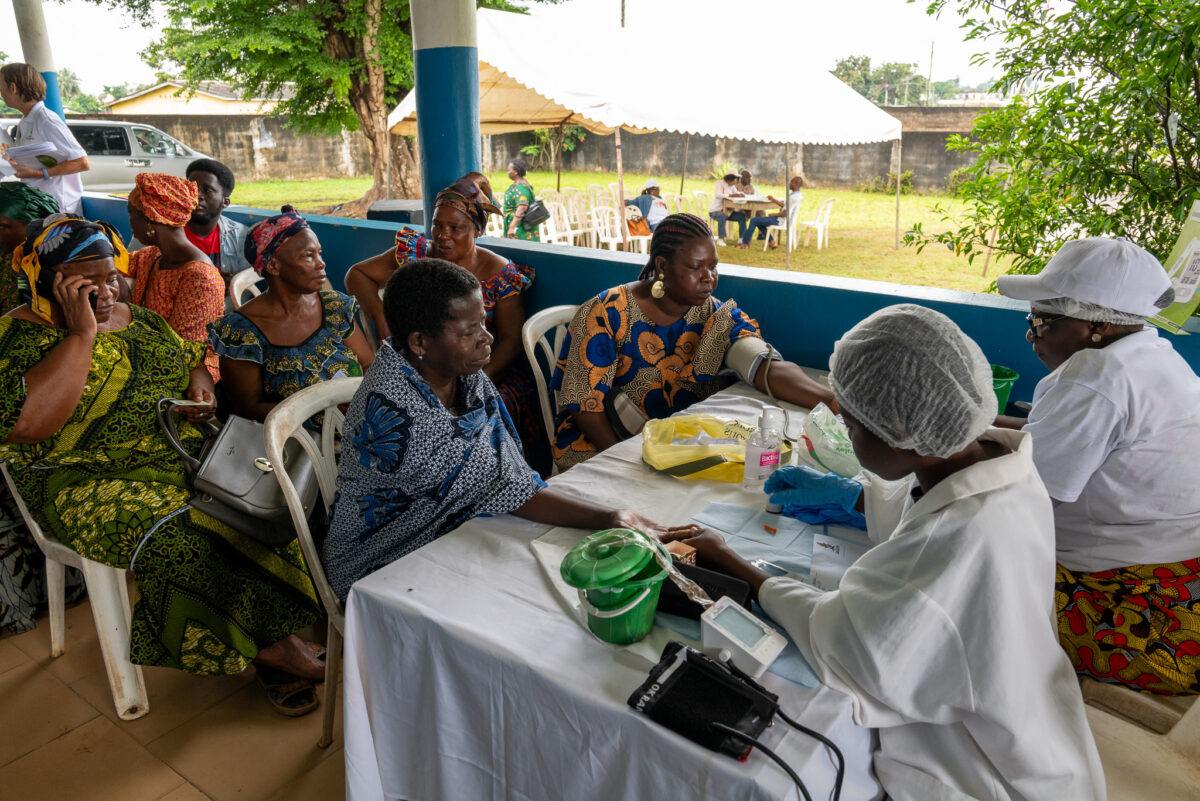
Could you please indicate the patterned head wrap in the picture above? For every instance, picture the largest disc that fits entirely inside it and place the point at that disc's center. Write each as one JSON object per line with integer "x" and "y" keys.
{"x": 269, "y": 235}
{"x": 24, "y": 203}
{"x": 57, "y": 240}
{"x": 472, "y": 195}
{"x": 164, "y": 198}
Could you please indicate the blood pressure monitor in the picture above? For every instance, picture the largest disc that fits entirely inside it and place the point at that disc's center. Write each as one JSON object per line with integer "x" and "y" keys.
{"x": 753, "y": 645}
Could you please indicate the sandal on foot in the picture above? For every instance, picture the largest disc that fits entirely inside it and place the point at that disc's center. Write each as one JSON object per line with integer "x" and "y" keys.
{"x": 317, "y": 650}
{"x": 290, "y": 696}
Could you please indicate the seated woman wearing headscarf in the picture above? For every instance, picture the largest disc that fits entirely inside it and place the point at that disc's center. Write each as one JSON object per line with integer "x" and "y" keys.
{"x": 460, "y": 215}
{"x": 20, "y": 204}
{"x": 428, "y": 443}
{"x": 943, "y": 633}
{"x": 652, "y": 347}
{"x": 171, "y": 276}
{"x": 295, "y": 334}
{"x": 78, "y": 391}
{"x": 1116, "y": 430}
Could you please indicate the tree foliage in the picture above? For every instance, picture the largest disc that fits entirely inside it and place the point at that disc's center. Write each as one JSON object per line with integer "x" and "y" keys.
{"x": 339, "y": 65}
{"x": 1102, "y": 139}
{"x": 892, "y": 83}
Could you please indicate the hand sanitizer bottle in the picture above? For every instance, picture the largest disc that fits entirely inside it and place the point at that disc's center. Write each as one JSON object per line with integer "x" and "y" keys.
{"x": 763, "y": 448}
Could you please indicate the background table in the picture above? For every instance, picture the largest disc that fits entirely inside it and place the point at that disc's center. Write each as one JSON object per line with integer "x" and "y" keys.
{"x": 750, "y": 205}
{"x": 465, "y": 677}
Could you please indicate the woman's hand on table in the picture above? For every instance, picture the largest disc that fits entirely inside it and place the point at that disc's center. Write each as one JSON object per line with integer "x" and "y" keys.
{"x": 713, "y": 552}
{"x": 73, "y": 293}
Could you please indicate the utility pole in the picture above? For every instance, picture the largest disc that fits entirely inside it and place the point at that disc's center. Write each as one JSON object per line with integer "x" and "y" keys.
{"x": 929, "y": 83}
{"x": 622, "y": 13}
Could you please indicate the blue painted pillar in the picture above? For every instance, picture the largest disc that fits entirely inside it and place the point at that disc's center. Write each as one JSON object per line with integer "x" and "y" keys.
{"x": 35, "y": 48}
{"x": 446, "y": 67}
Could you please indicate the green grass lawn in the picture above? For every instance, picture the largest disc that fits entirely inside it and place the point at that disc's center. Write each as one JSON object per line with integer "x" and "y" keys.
{"x": 862, "y": 235}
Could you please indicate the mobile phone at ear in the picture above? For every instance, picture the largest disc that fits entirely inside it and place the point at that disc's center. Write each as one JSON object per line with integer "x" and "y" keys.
{"x": 93, "y": 296}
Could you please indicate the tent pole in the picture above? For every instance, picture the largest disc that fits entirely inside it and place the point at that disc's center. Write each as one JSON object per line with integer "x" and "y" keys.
{"x": 558, "y": 183}
{"x": 683, "y": 173}
{"x": 621, "y": 193}
{"x": 787, "y": 199}
{"x": 898, "y": 148}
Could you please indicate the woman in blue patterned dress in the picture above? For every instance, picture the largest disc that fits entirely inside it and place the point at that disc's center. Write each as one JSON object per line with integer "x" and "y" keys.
{"x": 428, "y": 444}
{"x": 654, "y": 346}
{"x": 295, "y": 334}
{"x": 459, "y": 217}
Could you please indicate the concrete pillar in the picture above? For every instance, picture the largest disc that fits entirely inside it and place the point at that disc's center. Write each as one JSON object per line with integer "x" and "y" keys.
{"x": 35, "y": 48}
{"x": 446, "y": 68}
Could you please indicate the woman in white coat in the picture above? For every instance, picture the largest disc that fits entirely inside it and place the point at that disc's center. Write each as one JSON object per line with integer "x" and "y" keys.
{"x": 943, "y": 633}
{"x": 1116, "y": 430}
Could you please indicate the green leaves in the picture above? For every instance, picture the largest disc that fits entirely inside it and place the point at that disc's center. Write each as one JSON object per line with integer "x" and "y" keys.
{"x": 1101, "y": 137}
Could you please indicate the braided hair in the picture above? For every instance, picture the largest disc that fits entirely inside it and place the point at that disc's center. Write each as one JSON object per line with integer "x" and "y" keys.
{"x": 671, "y": 234}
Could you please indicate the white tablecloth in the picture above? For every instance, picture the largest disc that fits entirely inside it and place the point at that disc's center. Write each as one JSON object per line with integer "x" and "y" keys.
{"x": 465, "y": 678}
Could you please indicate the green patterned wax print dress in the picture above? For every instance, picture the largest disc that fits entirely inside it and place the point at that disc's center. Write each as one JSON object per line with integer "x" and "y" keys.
{"x": 109, "y": 487}
{"x": 514, "y": 196}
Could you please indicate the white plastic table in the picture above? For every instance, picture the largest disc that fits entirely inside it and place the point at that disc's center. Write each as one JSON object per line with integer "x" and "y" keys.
{"x": 465, "y": 677}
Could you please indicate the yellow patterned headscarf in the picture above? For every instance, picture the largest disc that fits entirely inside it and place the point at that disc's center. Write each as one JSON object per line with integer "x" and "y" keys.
{"x": 57, "y": 240}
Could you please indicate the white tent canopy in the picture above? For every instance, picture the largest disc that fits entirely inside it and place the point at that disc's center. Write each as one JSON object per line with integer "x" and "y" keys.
{"x": 533, "y": 73}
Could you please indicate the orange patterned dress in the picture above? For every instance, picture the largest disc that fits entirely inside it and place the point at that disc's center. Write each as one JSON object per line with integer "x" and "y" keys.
{"x": 188, "y": 298}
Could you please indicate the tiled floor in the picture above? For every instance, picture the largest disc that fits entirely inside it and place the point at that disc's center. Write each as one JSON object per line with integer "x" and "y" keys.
{"x": 204, "y": 738}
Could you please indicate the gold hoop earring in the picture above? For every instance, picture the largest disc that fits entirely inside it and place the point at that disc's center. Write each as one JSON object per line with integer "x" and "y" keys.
{"x": 1096, "y": 337}
{"x": 658, "y": 289}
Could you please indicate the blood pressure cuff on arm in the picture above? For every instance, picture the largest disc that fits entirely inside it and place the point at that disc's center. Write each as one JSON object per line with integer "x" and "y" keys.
{"x": 746, "y": 355}
{"x": 687, "y": 692}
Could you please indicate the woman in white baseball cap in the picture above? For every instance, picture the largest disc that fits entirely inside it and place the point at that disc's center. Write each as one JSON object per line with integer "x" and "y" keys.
{"x": 1116, "y": 430}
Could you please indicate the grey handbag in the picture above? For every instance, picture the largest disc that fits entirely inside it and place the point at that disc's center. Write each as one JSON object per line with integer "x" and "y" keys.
{"x": 235, "y": 483}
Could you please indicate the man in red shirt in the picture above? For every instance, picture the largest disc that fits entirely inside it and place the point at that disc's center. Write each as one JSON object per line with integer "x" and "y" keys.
{"x": 218, "y": 236}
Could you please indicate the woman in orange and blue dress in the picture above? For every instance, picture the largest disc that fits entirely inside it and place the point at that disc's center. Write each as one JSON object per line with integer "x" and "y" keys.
{"x": 460, "y": 215}
{"x": 652, "y": 347}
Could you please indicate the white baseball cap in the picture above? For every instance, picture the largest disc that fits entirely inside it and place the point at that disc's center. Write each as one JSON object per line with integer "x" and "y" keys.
{"x": 1110, "y": 272}
{"x": 652, "y": 183}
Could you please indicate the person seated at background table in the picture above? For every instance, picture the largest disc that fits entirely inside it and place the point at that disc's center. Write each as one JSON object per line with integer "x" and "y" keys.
{"x": 517, "y": 199}
{"x": 943, "y": 632}
{"x": 746, "y": 183}
{"x": 726, "y": 187}
{"x": 460, "y": 214}
{"x": 20, "y": 204}
{"x": 650, "y": 203}
{"x": 171, "y": 276}
{"x": 652, "y": 347}
{"x": 78, "y": 391}
{"x": 1116, "y": 430}
{"x": 23, "y": 88}
{"x": 761, "y": 224}
{"x": 428, "y": 444}
{"x": 293, "y": 335}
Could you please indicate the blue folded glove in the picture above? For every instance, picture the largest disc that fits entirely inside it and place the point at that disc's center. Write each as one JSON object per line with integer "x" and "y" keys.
{"x": 815, "y": 497}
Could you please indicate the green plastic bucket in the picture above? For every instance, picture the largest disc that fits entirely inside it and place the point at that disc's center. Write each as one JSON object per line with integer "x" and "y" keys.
{"x": 1002, "y": 383}
{"x": 618, "y": 579}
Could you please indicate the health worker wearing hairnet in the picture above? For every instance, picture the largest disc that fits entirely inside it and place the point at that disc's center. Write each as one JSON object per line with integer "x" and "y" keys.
{"x": 943, "y": 633}
{"x": 1116, "y": 433}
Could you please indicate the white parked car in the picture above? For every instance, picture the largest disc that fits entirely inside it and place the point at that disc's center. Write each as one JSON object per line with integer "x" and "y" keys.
{"x": 120, "y": 150}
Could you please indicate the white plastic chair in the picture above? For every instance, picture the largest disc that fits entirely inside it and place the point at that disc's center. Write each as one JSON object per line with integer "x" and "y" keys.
{"x": 242, "y": 283}
{"x": 551, "y": 231}
{"x": 495, "y": 226}
{"x": 109, "y": 600}
{"x": 581, "y": 220}
{"x": 567, "y": 229}
{"x": 820, "y": 225}
{"x": 607, "y": 223}
{"x": 284, "y": 422}
{"x": 791, "y": 231}
{"x": 536, "y": 335}
{"x": 547, "y": 195}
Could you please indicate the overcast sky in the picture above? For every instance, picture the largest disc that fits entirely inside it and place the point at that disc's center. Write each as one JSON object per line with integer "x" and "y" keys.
{"x": 102, "y": 46}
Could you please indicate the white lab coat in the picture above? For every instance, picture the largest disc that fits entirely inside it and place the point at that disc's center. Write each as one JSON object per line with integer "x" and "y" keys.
{"x": 1115, "y": 435}
{"x": 944, "y": 636}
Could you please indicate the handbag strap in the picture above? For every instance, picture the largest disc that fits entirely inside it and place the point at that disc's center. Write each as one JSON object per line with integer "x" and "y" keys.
{"x": 166, "y": 422}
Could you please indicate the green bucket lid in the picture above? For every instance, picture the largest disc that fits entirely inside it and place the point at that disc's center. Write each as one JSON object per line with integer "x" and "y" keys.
{"x": 606, "y": 559}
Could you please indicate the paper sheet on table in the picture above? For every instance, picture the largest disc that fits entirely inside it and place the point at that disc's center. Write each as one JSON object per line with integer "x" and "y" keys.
{"x": 831, "y": 557}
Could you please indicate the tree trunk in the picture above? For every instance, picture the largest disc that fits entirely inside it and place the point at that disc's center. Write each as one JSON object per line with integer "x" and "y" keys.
{"x": 368, "y": 98}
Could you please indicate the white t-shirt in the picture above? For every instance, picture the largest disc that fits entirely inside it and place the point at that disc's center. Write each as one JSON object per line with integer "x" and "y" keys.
{"x": 1116, "y": 433}
{"x": 721, "y": 191}
{"x": 944, "y": 637}
{"x": 658, "y": 211}
{"x": 43, "y": 125}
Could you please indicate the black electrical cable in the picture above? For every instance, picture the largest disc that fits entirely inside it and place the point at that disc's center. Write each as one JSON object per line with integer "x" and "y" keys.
{"x": 767, "y": 751}
{"x": 837, "y": 752}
